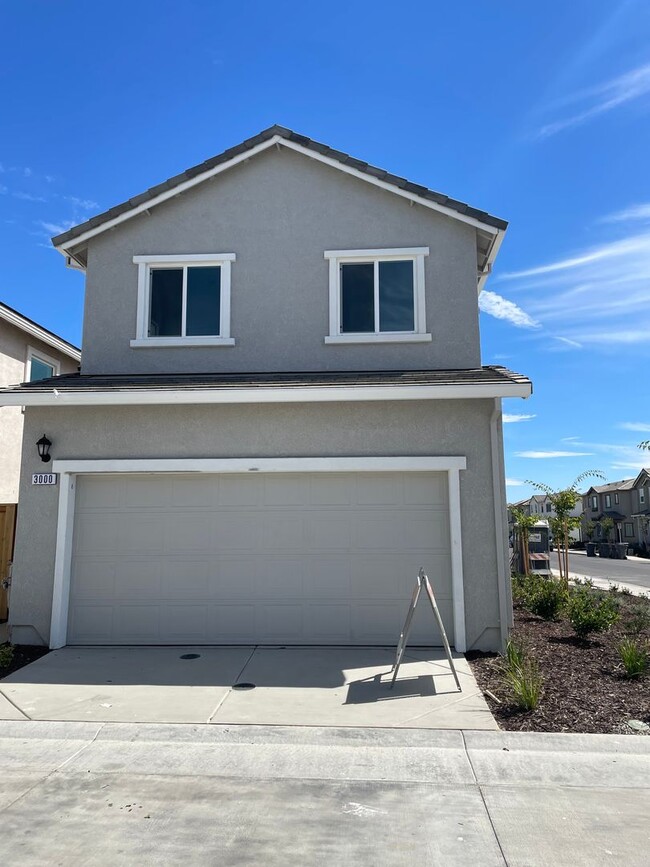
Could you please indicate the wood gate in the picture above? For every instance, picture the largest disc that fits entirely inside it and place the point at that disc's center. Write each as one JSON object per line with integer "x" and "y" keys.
{"x": 7, "y": 534}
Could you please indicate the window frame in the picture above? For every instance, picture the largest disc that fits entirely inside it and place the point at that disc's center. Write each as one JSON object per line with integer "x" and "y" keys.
{"x": 629, "y": 524}
{"x": 608, "y": 501}
{"x": 40, "y": 356}
{"x": 337, "y": 258}
{"x": 641, "y": 497}
{"x": 146, "y": 264}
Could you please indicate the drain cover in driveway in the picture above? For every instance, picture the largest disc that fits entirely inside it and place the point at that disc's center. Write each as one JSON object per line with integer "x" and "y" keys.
{"x": 190, "y": 656}
{"x": 243, "y": 686}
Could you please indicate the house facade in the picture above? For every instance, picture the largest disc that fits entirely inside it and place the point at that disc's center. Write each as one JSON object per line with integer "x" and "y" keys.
{"x": 615, "y": 500}
{"x": 640, "y": 514}
{"x": 28, "y": 352}
{"x": 281, "y": 415}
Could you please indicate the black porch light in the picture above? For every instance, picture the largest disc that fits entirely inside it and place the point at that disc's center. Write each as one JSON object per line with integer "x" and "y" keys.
{"x": 43, "y": 446}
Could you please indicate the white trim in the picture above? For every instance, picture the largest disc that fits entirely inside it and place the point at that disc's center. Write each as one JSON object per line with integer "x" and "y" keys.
{"x": 380, "y": 337}
{"x": 406, "y": 464}
{"x": 39, "y": 333}
{"x": 263, "y": 394}
{"x": 381, "y": 253}
{"x": 40, "y": 356}
{"x": 70, "y": 468}
{"x": 149, "y": 262}
{"x": 152, "y": 342}
{"x": 456, "y": 545}
{"x": 62, "y": 562}
{"x": 494, "y": 249}
{"x": 415, "y": 255}
{"x": 181, "y": 259}
{"x": 242, "y": 157}
{"x": 500, "y": 524}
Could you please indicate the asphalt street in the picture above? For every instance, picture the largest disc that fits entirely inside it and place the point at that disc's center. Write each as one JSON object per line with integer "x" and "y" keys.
{"x": 627, "y": 572}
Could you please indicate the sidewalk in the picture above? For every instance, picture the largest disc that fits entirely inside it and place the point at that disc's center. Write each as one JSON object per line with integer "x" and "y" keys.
{"x": 99, "y": 794}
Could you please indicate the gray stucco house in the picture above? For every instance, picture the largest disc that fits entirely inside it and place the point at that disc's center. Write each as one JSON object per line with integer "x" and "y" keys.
{"x": 281, "y": 415}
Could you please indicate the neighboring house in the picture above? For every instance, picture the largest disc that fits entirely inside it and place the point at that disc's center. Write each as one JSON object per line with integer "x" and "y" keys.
{"x": 281, "y": 415}
{"x": 28, "y": 352}
{"x": 640, "y": 515}
{"x": 541, "y": 505}
{"x": 614, "y": 500}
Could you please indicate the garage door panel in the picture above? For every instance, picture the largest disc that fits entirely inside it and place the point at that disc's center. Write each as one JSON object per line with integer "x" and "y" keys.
{"x": 326, "y": 577}
{"x": 233, "y": 558}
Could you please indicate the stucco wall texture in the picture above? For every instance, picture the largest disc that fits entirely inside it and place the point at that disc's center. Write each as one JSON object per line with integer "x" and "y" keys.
{"x": 14, "y": 346}
{"x": 450, "y": 427}
{"x": 279, "y": 213}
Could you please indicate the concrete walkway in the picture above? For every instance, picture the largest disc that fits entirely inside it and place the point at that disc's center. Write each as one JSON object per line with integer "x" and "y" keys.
{"x": 104, "y": 794}
{"x": 305, "y": 686}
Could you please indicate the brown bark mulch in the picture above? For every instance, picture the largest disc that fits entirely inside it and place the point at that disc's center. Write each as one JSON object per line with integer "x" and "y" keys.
{"x": 584, "y": 685}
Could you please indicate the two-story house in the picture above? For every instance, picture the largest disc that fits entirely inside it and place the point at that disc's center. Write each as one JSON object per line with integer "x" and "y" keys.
{"x": 640, "y": 514}
{"x": 28, "y": 352}
{"x": 281, "y": 415}
{"x": 614, "y": 500}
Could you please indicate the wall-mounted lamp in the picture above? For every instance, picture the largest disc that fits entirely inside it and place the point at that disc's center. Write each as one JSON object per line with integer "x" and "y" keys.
{"x": 43, "y": 446}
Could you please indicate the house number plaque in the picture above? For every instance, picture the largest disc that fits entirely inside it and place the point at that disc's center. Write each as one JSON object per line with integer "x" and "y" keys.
{"x": 44, "y": 478}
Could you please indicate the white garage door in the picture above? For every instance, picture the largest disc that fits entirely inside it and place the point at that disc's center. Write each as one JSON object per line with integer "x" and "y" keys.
{"x": 296, "y": 558}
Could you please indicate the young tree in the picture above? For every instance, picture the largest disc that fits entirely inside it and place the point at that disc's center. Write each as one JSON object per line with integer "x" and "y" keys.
{"x": 524, "y": 524}
{"x": 562, "y": 522}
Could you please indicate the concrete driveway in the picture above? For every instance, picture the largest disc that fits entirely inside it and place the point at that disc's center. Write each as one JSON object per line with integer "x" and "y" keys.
{"x": 109, "y": 793}
{"x": 299, "y": 686}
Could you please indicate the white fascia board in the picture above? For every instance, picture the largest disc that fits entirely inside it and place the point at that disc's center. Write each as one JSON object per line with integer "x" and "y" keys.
{"x": 383, "y": 253}
{"x": 494, "y": 249}
{"x": 400, "y": 464}
{"x": 279, "y": 140}
{"x": 39, "y": 333}
{"x": 327, "y": 394}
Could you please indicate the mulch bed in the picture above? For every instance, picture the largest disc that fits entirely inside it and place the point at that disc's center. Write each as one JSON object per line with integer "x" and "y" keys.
{"x": 23, "y": 655}
{"x": 584, "y": 687}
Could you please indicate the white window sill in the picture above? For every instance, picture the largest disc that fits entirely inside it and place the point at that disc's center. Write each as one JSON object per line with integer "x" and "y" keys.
{"x": 388, "y": 337}
{"x": 152, "y": 342}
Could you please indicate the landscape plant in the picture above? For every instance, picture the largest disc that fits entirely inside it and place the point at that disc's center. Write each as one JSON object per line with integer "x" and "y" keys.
{"x": 6, "y": 655}
{"x": 563, "y": 502}
{"x": 547, "y": 599}
{"x": 524, "y": 524}
{"x": 635, "y": 656}
{"x": 588, "y": 611}
{"x": 522, "y": 676}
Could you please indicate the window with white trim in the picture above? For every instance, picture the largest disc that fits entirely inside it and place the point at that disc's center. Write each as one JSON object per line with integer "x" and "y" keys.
{"x": 40, "y": 366}
{"x": 184, "y": 300}
{"x": 629, "y": 530}
{"x": 377, "y": 296}
{"x": 608, "y": 501}
{"x": 641, "y": 496}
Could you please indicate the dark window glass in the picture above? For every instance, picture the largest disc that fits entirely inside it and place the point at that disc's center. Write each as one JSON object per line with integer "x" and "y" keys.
{"x": 203, "y": 301}
{"x": 39, "y": 370}
{"x": 166, "y": 302}
{"x": 357, "y": 297}
{"x": 396, "y": 296}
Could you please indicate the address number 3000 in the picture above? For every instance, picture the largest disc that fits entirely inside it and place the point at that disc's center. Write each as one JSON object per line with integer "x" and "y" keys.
{"x": 44, "y": 478}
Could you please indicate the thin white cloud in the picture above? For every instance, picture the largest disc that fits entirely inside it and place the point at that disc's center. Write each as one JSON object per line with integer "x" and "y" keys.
{"x": 55, "y": 228}
{"x": 633, "y": 212}
{"x": 570, "y": 439}
{"x": 602, "y": 99}
{"x": 83, "y": 204}
{"x": 558, "y": 454}
{"x": 640, "y": 426}
{"x": 499, "y": 307}
{"x": 511, "y": 418}
{"x": 28, "y": 197}
{"x": 567, "y": 342}
{"x": 515, "y": 483}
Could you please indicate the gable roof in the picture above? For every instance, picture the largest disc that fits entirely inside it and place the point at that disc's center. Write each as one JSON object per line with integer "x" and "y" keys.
{"x": 35, "y": 330}
{"x": 643, "y": 473}
{"x": 490, "y": 229}
{"x": 623, "y": 485}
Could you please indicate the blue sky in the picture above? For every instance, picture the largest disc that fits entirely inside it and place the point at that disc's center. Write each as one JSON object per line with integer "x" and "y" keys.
{"x": 538, "y": 113}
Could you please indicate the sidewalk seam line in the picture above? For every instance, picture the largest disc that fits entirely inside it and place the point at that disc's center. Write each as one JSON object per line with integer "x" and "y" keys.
{"x": 229, "y": 690}
{"x": 485, "y": 806}
{"x": 19, "y": 709}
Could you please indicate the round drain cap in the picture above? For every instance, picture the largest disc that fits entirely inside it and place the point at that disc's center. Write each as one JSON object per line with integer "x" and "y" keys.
{"x": 190, "y": 656}
{"x": 243, "y": 686}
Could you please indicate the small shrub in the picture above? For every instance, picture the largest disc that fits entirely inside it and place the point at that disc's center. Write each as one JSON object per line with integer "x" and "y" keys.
{"x": 522, "y": 676}
{"x": 547, "y": 599}
{"x": 639, "y": 620}
{"x": 6, "y": 655}
{"x": 519, "y": 585}
{"x": 589, "y": 612}
{"x": 635, "y": 657}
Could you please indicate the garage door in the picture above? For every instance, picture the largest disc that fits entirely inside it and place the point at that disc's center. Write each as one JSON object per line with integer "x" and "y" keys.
{"x": 296, "y": 558}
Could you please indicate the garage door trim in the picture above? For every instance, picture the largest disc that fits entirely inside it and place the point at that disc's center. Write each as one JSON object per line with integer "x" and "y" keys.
{"x": 69, "y": 469}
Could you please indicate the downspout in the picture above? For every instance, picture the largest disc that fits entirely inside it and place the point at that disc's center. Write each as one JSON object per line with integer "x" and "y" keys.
{"x": 498, "y": 490}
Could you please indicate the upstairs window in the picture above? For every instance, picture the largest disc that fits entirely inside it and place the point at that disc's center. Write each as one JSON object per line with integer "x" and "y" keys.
{"x": 641, "y": 496}
{"x": 594, "y": 504}
{"x": 39, "y": 366}
{"x": 608, "y": 501}
{"x": 616, "y": 499}
{"x": 377, "y": 296}
{"x": 184, "y": 301}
